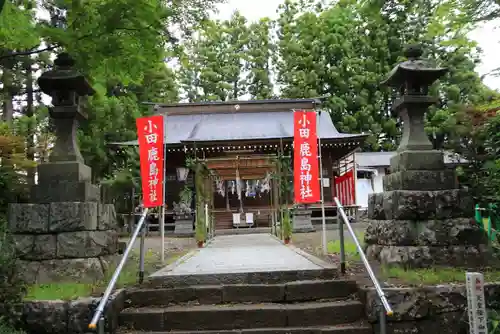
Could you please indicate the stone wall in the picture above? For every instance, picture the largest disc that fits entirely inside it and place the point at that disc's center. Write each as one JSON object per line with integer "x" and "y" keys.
{"x": 71, "y": 317}
{"x": 63, "y": 240}
{"x": 437, "y": 309}
{"x": 424, "y": 228}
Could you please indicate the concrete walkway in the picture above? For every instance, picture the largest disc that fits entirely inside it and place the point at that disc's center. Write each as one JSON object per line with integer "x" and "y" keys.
{"x": 242, "y": 254}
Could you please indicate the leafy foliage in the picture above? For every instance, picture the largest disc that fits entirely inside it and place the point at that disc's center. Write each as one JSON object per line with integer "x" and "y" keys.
{"x": 12, "y": 288}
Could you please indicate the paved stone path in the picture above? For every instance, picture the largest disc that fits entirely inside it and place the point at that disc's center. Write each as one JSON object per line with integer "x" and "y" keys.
{"x": 241, "y": 254}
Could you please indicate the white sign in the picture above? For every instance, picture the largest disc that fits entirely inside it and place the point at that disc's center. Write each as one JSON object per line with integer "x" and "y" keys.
{"x": 476, "y": 304}
{"x": 326, "y": 182}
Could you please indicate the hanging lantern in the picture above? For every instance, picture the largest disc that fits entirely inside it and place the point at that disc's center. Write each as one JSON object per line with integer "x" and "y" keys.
{"x": 182, "y": 173}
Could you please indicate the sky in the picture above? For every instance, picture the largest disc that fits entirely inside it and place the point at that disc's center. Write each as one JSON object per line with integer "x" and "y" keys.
{"x": 487, "y": 37}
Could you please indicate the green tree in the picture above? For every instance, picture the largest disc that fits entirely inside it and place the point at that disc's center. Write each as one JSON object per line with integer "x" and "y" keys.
{"x": 258, "y": 59}
{"x": 213, "y": 63}
{"x": 343, "y": 51}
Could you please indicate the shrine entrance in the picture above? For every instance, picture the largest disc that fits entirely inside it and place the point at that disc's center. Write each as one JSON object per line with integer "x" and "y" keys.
{"x": 244, "y": 190}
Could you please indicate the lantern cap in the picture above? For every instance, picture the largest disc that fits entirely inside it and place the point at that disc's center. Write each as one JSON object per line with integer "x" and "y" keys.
{"x": 414, "y": 71}
{"x": 64, "y": 78}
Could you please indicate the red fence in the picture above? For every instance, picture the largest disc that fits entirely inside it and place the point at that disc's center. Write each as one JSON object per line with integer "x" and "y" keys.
{"x": 345, "y": 188}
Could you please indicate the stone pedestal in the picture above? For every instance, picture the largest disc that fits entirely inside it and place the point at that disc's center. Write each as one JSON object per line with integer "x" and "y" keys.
{"x": 301, "y": 221}
{"x": 66, "y": 234}
{"x": 64, "y": 241}
{"x": 184, "y": 227}
{"x": 422, "y": 219}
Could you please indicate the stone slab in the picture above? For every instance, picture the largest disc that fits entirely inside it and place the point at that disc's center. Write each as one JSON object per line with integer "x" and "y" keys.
{"x": 417, "y": 160}
{"x": 420, "y": 180}
{"x": 68, "y": 317}
{"x": 83, "y": 244}
{"x": 73, "y": 216}
{"x": 457, "y": 231}
{"x": 469, "y": 256}
{"x": 376, "y": 206}
{"x": 35, "y": 247}
{"x": 301, "y": 222}
{"x": 184, "y": 227}
{"x": 86, "y": 270}
{"x": 65, "y": 191}
{"x": 55, "y": 172}
{"x": 106, "y": 216}
{"x": 28, "y": 218}
{"x": 422, "y": 205}
{"x": 46, "y": 317}
{"x": 249, "y": 253}
{"x": 256, "y": 293}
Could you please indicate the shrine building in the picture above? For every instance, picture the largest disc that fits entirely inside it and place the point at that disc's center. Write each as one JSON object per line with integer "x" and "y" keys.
{"x": 238, "y": 141}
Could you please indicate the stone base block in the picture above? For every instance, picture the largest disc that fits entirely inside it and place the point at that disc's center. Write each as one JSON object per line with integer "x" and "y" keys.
{"x": 63, "y": 270}
{"x": 417, "y": 160}
{"x": 301, "y": 221}
{"x": 420, "y": 205}
{"x": 61, "y": 217}
{"x": 65, "y": 191}
{"x": 184, "y": 227}
{"x": 66, "y": 245}
{"x": 73, "y": 216}
{"x": 55, "y": 172}
{"x": 465, "y": 256}
{"x": 106, "y": 217}
{"x": 420, "y": 180}
{"x": 72, "y": 317}
{"x": 449, "y": 232}
{"x": 28, "y": 218}
{"x": 86, "y": 244}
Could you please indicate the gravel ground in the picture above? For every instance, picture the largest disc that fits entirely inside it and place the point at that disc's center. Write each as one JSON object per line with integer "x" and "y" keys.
{"x": 172, "y": 244}
{"x": 309, "y": 242}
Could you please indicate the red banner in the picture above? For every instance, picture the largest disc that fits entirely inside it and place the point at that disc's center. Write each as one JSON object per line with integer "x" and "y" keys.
{"x": 305, "y": 156}
{"x": 150, "y": 135}
{"x": 345, "y": 188}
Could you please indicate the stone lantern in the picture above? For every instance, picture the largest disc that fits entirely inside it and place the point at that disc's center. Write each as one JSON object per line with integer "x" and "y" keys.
{"x": 65, "y": 233}
{"x": 65, "y": 177}
{"x": 66, "y": 86}
{"x": 422, "y": 218}
{"x": 412, "y": 79}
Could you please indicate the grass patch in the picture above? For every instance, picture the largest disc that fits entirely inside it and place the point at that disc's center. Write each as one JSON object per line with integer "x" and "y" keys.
{"x": 351, "y": 252}
{"x": 433, "y": 276}
{"x": 412, "y": 277}
{"x": 128, "y": 277}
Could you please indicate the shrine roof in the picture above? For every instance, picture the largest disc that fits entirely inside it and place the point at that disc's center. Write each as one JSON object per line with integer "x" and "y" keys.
{"x": 240, "y": 121}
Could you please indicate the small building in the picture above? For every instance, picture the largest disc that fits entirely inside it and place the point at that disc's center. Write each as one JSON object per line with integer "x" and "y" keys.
{"x": 238, "y": 140}
{"x": 371, "y": 168}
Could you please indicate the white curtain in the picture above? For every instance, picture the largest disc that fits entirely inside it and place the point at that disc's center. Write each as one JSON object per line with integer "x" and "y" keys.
{"x": 363, "y": 189}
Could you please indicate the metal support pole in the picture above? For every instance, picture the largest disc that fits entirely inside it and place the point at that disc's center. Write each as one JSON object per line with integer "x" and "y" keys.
{"x": 100, "y": 325}
{"x": 323, "y": 218}
{"x": 162, "y": 209}
{"x": 119, "y": 268}
{"x": 207, "y": 226}
{"x": 382, "y": 319}
{"x": 340, "y": 223}
{"x": 142, "y": 253}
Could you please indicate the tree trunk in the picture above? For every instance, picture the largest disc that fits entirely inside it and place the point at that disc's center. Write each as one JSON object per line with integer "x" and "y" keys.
{"x": 30, "y": 140}
{"x": 8, "y": 107}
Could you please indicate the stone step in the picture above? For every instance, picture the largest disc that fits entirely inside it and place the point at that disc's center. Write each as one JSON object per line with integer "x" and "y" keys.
{"x": 273, "y": 277}
{"x": 238, "y": 316}
{"x": 243, "y": 293}
{"x": 352, "y": 328}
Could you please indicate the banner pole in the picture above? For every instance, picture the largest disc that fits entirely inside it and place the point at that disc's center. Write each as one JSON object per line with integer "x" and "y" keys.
{"x": 162, "y": 209}
{"x": 323, "y": 219}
